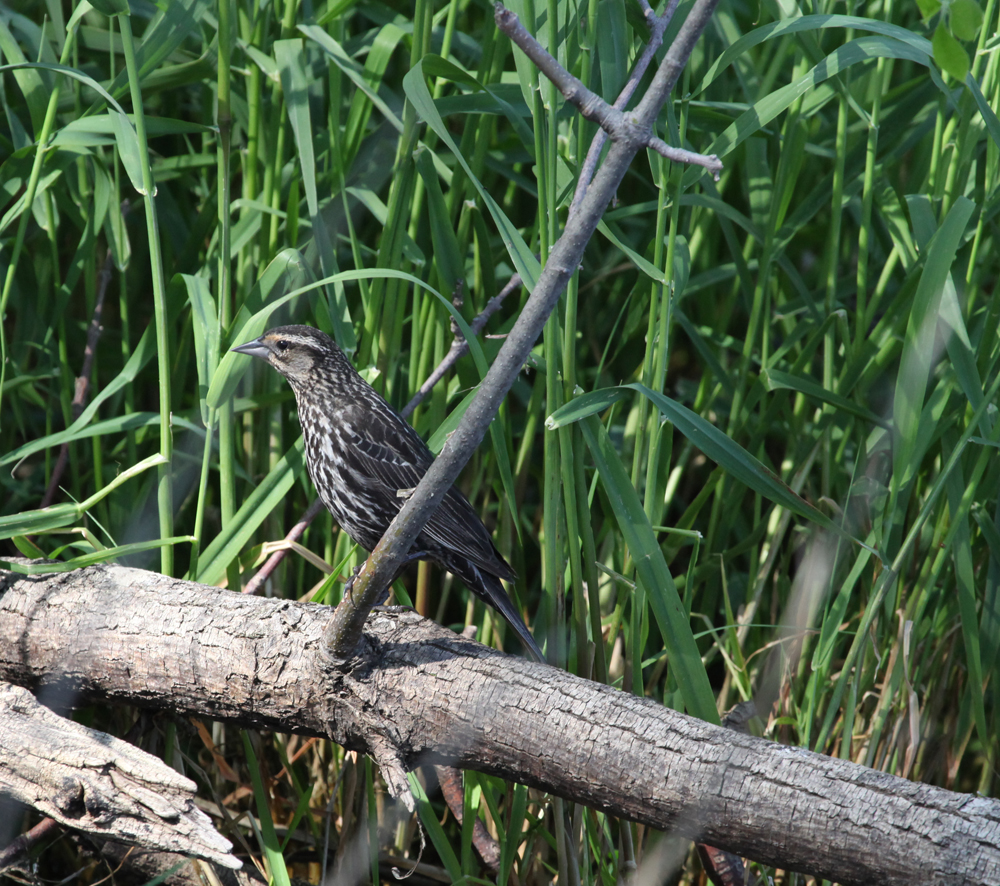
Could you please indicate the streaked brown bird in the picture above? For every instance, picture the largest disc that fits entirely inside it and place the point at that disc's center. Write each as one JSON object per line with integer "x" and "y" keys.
{"x": 363, "y": 458}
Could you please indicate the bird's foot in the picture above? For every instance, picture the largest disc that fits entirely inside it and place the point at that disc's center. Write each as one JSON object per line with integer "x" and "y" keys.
{"x": 349, "y": 587}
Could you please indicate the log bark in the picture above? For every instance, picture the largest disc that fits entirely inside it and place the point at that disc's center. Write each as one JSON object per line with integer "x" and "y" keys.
{"x": 419, "y": 694}
{"x": 100, "y": 785}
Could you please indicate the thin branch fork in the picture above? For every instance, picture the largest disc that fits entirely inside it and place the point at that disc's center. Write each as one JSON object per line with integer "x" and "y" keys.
{"x": 657, "y": 28}
{"x": 459, "y": 346}
{"x": 620, "y": 126}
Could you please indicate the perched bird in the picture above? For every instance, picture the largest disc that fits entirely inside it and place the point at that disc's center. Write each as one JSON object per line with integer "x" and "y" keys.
{"x": 364, "y": 459}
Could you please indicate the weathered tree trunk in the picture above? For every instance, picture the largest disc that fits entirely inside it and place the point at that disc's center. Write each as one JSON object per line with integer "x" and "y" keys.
{"x": 98, "y": 784}
{"x": 419, "y": 694}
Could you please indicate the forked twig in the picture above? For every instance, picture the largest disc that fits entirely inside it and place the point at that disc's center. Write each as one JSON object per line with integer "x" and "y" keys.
{"x": 459, "y": 346}
{"x": 657, "y": 28}
{"x": 614, "y": 122}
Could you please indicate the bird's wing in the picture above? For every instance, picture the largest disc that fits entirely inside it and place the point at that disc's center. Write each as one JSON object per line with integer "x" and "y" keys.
{"x": 393, "y": 454}
{"x": 457, "y": 526}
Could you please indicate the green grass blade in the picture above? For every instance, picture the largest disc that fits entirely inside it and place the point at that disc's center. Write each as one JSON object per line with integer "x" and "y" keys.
{"x": 105, "y": 556}
{"x": 266, "y": 496}
{"x": 775, "y": 380}
{"x": 522, "y": 257}
{"x": 652, "y": 571}
{"x": 439, "y": 839}
{"x": 57, "y": 516}
{"x": 709, "y": 439}
{"x": 918, "y": 349}
{"x": 269, "y": 838}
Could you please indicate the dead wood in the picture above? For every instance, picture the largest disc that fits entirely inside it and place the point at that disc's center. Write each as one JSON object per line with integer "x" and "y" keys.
{"x": 419, "y": 694}
{"x": 100, "y": 785}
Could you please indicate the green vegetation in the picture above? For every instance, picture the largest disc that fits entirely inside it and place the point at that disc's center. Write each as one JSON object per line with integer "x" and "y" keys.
{"x": 778, "y": 388}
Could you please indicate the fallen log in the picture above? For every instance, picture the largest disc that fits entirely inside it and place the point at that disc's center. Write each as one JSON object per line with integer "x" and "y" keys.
{"x": 418, "y": 694}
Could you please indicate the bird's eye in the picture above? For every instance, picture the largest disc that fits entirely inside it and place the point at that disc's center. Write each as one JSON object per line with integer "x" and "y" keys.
{"x": 281, "y": 345}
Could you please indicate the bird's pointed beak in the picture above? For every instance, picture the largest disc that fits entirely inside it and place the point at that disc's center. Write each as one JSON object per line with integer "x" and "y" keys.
{"x": 255, "y": 348}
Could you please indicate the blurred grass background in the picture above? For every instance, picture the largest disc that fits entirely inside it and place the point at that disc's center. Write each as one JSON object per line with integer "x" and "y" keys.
{"x": 829, "y": 307}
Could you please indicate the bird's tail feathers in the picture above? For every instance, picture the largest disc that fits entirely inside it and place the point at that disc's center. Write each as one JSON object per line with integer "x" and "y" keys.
{"x": 491, "y": 591}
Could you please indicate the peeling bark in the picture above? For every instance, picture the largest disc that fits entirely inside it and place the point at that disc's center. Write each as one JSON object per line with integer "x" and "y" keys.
{"x": 100, "y": 785}
{"x": 421, "y": 694}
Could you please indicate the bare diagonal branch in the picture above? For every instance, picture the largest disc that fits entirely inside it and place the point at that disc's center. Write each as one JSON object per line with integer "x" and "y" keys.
{"x": 348, "y": 619}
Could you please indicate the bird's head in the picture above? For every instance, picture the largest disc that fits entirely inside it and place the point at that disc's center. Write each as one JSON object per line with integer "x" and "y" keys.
{"x": 295, "y": 351}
